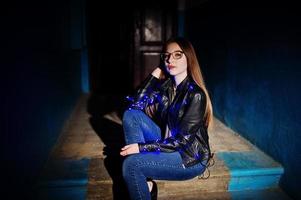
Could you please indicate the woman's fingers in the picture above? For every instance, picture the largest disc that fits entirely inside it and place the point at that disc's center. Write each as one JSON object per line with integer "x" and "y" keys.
{"x": 129, "y": 149}
{"x": 156, "y": 73}
{"x": 125, "y": 147}
{"x": 123, "y": 153}
{"x": 124, "y": 150}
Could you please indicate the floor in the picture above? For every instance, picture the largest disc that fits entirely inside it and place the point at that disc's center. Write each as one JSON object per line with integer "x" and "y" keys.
{"x": 85, "y": 163}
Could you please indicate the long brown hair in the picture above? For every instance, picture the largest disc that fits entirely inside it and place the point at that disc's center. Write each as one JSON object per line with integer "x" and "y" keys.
{"x": 194, "y": 70}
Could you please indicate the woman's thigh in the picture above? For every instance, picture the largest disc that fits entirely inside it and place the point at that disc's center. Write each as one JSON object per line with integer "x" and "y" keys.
{"x": 138, "y": 127}
{"x": 163, "y": 166}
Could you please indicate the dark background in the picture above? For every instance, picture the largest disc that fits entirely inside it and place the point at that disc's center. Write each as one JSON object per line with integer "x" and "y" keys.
{"x": 249, "y": 53}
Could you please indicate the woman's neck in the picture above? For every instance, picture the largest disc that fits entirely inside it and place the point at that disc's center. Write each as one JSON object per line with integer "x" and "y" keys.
{"x": 179, "y": 78}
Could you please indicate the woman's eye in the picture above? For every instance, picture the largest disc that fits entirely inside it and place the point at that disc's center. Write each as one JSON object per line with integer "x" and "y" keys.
{"x": 178, "y": 55}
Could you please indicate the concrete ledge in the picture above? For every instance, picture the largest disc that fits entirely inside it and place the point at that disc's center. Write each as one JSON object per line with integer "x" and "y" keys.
{"x": 251, "y": 170}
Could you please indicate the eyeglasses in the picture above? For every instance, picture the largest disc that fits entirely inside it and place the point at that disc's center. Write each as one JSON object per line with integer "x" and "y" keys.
{"x": 175, "y": 55}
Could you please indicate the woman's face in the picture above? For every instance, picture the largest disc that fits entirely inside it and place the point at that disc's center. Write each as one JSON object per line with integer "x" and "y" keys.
{"x": 175, "y": 60}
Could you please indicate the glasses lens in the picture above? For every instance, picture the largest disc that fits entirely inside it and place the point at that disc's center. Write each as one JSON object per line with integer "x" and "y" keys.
{"x": 177, "y": 55}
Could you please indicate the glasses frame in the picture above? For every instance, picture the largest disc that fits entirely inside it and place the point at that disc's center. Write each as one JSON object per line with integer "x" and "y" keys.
{"x": 166, "y": 56}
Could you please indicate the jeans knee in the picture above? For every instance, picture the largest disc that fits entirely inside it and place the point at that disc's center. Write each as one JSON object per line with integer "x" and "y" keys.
{"x": 130, "y": 115}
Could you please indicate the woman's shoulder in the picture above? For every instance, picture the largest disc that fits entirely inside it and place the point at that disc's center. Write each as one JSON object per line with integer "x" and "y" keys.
{"x": 196, "y": 93}
{"x": 195, "y": 89}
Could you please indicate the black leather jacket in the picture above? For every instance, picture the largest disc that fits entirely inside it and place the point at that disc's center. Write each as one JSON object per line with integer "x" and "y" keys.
{"x": 183, "y": 115}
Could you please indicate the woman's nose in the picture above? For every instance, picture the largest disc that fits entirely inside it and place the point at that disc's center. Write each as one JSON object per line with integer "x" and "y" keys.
{"x": 168, "y": 59}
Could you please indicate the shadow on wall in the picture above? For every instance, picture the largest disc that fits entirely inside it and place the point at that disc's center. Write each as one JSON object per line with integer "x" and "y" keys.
{"x": 105, "y": 118}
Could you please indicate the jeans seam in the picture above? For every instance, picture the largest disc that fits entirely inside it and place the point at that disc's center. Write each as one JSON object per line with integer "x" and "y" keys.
{"x": 156, "y": 164}
{"x": 136, "y": 183}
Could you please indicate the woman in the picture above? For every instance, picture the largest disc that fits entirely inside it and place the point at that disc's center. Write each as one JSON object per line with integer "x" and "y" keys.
{"x": 166, "y": 123}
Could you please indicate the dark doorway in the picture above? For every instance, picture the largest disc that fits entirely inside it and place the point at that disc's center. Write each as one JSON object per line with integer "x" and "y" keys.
{"x": 154, "y": 24}
{"x": 124, "y": 41}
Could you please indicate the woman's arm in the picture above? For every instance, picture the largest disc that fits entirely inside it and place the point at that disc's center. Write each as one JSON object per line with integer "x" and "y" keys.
{"x": 189, "y": 125}
{"x": 145, "y": 95}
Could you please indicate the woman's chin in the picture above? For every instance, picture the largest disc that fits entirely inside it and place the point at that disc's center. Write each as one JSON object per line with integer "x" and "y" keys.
{"x": 172, "y": 72}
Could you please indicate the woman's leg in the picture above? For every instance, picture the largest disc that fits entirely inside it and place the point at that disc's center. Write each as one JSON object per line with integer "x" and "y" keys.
{"x": 138, "y": 127}
{"x": 160, "y": 166}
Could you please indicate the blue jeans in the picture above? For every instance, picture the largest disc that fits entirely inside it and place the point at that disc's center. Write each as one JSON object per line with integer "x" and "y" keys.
{"x": 138, "y": 127}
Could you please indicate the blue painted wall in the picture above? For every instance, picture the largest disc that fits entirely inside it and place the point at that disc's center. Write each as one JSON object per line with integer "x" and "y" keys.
{"x": 40, "y": 85}
{"x": 250, "y": 55}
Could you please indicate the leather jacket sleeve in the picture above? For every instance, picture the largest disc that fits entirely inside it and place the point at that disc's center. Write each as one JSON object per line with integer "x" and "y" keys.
{"x": 145, "y": 95}
{"x": 186, "y": 129}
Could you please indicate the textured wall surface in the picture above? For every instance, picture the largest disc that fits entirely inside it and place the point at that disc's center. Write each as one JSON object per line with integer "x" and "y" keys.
{"x": 41, "y": 83}
{"x": 250, "y": 56}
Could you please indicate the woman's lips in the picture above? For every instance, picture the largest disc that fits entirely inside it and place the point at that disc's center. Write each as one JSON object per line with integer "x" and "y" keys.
{"x": 170, "y": 67}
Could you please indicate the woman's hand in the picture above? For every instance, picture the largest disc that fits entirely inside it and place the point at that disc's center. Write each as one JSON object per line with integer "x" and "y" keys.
{"x": 156, "y": 73}
{"x": 129, "y": 149}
